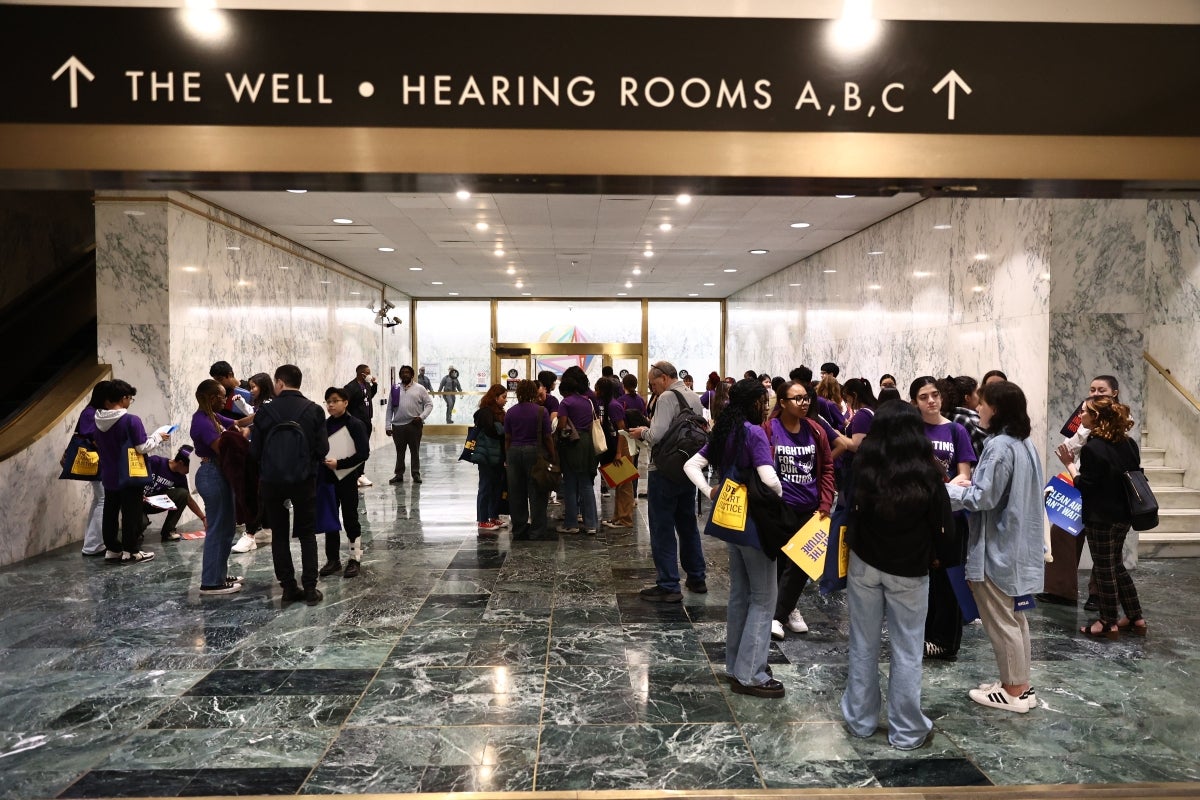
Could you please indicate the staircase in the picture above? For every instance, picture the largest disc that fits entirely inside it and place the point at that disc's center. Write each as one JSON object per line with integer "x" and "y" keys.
{"x": 1178, "y": 531}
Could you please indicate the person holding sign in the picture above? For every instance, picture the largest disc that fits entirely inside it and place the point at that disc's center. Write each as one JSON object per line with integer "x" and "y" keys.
{"x": 805, "y": 466}
{"x": 349, "y": 448}
{"x": 1004, "y": 566}
{"x": 738, "y": 446}
{"x": 900, "y": 524}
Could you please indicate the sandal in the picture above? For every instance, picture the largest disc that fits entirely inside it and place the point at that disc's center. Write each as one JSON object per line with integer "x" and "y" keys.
{"x": 1131, "y": 626}
{"x": 1107, "y": 630}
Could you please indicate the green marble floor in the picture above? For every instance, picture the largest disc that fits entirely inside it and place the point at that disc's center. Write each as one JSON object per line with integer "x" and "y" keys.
{"x": 453, "y": 664}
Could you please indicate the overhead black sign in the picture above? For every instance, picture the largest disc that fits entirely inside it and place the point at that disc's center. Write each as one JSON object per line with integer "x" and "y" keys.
{"x": 216, "y": 67}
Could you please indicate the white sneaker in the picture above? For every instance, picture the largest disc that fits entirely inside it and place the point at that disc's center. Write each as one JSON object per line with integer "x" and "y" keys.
{"x": 136, "y": 558}
{"x": 245, "y": 544}
{"x": 995, "y": 697}
{"x": 263, "y": 536}
{"x": 1029, "y": 694}
{"x": 796, "y": 623}
{"x": 777, "y": 631}
{"x": 364, "y": 481}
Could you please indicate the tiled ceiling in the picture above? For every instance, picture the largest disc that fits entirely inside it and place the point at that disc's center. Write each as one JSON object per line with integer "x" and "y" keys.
{"x": 560, "y": 245}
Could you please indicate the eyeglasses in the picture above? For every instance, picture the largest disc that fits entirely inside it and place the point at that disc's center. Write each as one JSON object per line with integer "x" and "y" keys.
{"x": 802, "y": 399}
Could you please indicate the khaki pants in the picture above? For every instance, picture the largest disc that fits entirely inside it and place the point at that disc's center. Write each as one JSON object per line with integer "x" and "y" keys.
{"x": 1008, "y": 631}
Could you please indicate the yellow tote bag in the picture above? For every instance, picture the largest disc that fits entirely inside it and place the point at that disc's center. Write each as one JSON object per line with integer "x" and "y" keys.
{"x": 809, "y": 546}
{"x": 86, "y": 463}
{"x": 729, "y": 510}
{"x": 137, "y": 464}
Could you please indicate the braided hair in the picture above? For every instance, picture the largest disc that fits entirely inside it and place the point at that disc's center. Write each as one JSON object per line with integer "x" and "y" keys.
{"x": 743, "y": 406}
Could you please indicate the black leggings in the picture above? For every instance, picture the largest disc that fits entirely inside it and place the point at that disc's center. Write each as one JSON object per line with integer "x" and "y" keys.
{"x": 123, "y": 514}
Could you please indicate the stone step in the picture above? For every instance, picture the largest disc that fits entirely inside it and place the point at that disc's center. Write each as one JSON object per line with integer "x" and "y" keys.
{"x": 1177, "y": 520}
{"x": 1163, "y": 476}
{"x": 1153, "y": 457}
{"x": 1177, "y": 497}
{"x": 1153, "y": 544}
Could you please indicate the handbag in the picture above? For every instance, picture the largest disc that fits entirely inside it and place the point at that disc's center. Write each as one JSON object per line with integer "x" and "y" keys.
{"x": 729, "y": 519}
{"x": 81, "y": 460}
{"x": 546, "y": 474}
{"x": 566, "y": 431}
{"x": 469, "y": 445}
{"x": 133, "y": 469}
{"x": 619, "y": 471}
{"x": 837, "y": 557}
{"x": 327, "y": 510}
{"x": 1143, "y": 505}
{"x": 599, "y": 440}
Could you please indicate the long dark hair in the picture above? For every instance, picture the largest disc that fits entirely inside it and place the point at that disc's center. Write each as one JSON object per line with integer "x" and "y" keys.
{"x": 859, "y": 389}
{"x": 742, "y": 408}
{"x": 99, "y": 392}
{"x": 719, "y": 399}
{"x": 894, "y": 471}
{"x": 266, "y": 388}
{"x": 1011, "y": 412}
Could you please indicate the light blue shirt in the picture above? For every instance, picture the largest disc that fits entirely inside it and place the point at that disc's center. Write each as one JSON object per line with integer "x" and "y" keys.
{"x": 1005, "y": 501}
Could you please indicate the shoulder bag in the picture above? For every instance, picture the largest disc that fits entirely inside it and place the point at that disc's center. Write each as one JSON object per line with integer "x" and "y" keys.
{"x": 81, "y": 460}
{"x": 1143, "y": 505}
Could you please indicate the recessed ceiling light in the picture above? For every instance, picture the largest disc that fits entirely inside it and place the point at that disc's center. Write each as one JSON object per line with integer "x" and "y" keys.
{"x": 648, "y": 253}
{"x": 191, "y": 269}
{"x": 801, "y": 225}
{"x": 387, "y": 249}
{"x": 526, "y": 294}
{"x": 830, "y": 271}
{"x": 437, "y": 283}
{"x": 730, "y": 269}
{"x": 768, "y": 295}
{"x": 243, "y": 283}
{"x": 628, "y": 284}
{"x": 284, "y": 266}
{"x": 452, "y": 294}
{"x": 976, "y": 288}
{"x": 510, "y": 271}
{"x": 759, "y": 252}
{"x": 683, "y": 199}
{"x": 921, "y": 274}
{"x": 343, "y": 221}
{"x": 415, "y": 269}
{"x": 622, "y": 294}
{"x": 981, "y": 256}
{"x": 326, "y": 283}
{"x": 297, "y": 191}
{"x": 710, "y": 284}
{"x": 793, "y": 284}
{"x": 665, "y": 226}
{"x": 942, "y": 226}
{"x": 481, "y": 226}
{"x": 874, "y": 252}
{"x": 356, "y": 293}
{"x": 463, "y": 194}
{"x": 520, "y": 285}
{"x": 234, "y": 247}
{"x": 693, "y": 294}
{"x": 874, "y": 286}
{"x": 844, "y": 196}
{"x": 637, "y": 270}
{"x": 498, "y": 252}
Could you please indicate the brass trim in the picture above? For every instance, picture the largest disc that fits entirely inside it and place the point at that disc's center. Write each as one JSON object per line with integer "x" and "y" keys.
{"x": 45, "y": 414}
{"x": 257, "y": 149}
{"x": 724, "y": 333}
{"x": 1166, "y": 373}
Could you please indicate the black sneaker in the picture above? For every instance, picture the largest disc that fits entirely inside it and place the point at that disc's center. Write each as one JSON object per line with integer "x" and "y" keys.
{"x": 770, "y": 689}
{"x": 657, "y": 594}
{"x": 228, "y": 587}
{"x": 416, "y": 478}
{"x": 699, "y": 587}
{"x": 397, "y": 479}
{"x": 292, "y": 593}
{"x": 330, "y": 568}
{"x": 1053, "y": 599}
{"x": 351, "y": 569}
{"x": 313, "y": 596}
{"x": 1092, "y": 604}
{"x": 939, "y": 653}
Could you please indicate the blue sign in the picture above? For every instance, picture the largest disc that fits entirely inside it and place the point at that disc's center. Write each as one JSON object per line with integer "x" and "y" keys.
{"x": 1064, "y": 506}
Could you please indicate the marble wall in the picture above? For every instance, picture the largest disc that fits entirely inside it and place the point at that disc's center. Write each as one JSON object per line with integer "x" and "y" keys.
{"x": 181, "y": 284}
{"x": 912, "y": 299}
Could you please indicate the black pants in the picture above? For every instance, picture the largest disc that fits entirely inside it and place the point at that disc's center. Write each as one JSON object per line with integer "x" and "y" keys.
{"x": 304, "y": 505}
{"x": 122, "y": 522}
{"x": 408, "y": 437}
{"x": 943, "y": 622}
{"x": 792, "y": 581}
{"x": 179, "y": 496}
{"x": 346, "y": 492}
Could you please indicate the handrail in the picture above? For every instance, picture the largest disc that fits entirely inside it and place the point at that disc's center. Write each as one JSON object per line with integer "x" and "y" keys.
{"x": 1166, "y": 373}
{"x": 48, "y": 410}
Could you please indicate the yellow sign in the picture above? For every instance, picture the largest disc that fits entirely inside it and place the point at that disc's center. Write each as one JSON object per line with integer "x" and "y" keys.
{"x": 87, "y": 462}
{"x": 808, "y": 547}
{"x": 730, "y": 509}
{"x": 137, "y": 465}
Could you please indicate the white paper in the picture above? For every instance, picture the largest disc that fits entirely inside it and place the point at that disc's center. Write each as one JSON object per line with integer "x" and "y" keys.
{"x": 341, "y": 445}
{"x": 166, "y": 430}
{"x": 161, "y": 501}
{"x": 631, "y": 442}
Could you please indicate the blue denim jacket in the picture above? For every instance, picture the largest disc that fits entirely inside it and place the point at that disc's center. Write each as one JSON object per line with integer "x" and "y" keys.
{"x": 1005, "y": 501}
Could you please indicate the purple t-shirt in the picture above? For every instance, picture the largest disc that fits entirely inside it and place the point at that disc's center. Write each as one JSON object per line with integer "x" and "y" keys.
{"x": 580, "y": 409}
{"x": 551, "y": 404}
{"x": 521, "y": 424}
{"x": 162, "y": 477}
{"x": 706, "y": 398}
{"x": 87, "y": 421}
{"x": 830, "y": 434}
{"x": 616, "y": 413}
{"x": 110, "y": 444}
{"x": 634, "y": 401}
{"x": 829, "y": 411}
{"x": 756, "y": 450}
{"x": 204, "y": 433}
{"x": 796, "y": 463}
{"x": 861, "y": 423}
{"x": 951, "y": 446}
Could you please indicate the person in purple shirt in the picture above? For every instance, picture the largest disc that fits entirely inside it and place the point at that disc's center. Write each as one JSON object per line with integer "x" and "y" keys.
{"x": 526, "y": 435}
{"x": 955, "y": 454}
{"x": 613, "y": 414}
{"x": 117, "y": 430}
{"x": 208, "y": 423}
{"x": 169, "y": 477}
{"x": 861, "y": 402}
{"x": 578, "y": 458}
{"x": 93, "y": 538}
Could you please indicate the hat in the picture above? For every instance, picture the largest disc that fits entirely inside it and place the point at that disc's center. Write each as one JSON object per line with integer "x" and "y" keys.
{"x": 184, "y": 454}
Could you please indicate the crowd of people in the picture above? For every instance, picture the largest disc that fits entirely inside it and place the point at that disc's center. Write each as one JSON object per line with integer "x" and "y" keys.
{"x": 939, "y": 497}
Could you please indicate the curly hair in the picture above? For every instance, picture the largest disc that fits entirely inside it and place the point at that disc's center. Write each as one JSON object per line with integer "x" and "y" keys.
{"x": 491, "y": 400}
{"x": 527, "y": 391}
{"x": 1112, "y": 418}
{"x": 730, "y": 426}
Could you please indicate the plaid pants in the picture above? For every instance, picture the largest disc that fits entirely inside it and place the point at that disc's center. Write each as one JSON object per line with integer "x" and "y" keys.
{"x": 1106, "y": 543}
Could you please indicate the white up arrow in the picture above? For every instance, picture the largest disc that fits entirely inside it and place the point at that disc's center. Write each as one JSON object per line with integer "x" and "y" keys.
{"x": 77, "y": 68}
{"x": 954, "y": 81}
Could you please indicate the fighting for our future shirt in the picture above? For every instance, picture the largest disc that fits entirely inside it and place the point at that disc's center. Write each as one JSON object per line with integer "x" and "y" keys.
{"x": 951, "y": 446}
{"x": 796, "y": 463}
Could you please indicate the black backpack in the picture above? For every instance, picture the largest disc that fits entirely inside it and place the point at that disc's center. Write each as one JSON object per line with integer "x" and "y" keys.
{"x": 687, "y": 433}
{"x": 286, "y": 455}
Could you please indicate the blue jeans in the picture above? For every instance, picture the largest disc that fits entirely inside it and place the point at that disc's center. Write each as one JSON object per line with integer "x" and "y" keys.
{"x": 752, "y": 593}
{"x": 869, "y": 593}
{"x": 673, "y": 512}
{"x": 218, "y": 533}
{"x": 492, "y": 481}
{"x": 579, "y": 488}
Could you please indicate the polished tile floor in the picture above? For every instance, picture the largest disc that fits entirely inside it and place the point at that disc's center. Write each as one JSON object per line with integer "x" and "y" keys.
{"x": 453, "y": 664}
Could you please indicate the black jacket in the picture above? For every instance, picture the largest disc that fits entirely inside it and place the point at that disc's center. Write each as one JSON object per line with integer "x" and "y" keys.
{"x": 1100, "y": 481}
{"x": 907, "y": 546}
{"x": 360, "y": 404}
{"x": 291, "y": 405}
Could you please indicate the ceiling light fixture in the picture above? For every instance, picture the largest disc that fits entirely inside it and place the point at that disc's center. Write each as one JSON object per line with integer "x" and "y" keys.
{"x": 693, "y": 294}
{"x": 981, "y": 256}
{"x": 710, "y": 284}
{"x": 526, "y": 294}
{"x": 830, "y": 271}
{"x": 452, "y": 294}
{"x": 326, "y": 283}
{"x": 622, "y": 294}
{"x": 243, "y": 283}
{"x": 284, "y": 266}
{"x": 845, "y": 196}
{"x": 510, "y": 271}
{"x": 648, "y": 253}
{"x": 498, "y": 253}
{"x": 343, "y": 221}
{"x": 628, "y": 284}
{"x": 481, "y": 226}
{"x": 683, "y": 199}
{"x": 356, "y": 293}
{"x": 976, "y": 289}
{"x": 793, "y": 284}
{"x": 665, "y": 226}
{"x": 874, "y": 252}
{"x": 921, "y": 274}
{"x": 759, "y": 252}
{"x": 942, "y": 226}
{"x": 191, "y": 269}
{"x": 730, "y": 269}
{"x": 387, "y": 249}
{"x": 637, "y": 270}
{"x": 800, "y": 225}
{"x": 768, "y": 295}
{"x": 235, "y": 247}
{"x": 520, "y": 284}
{"x": 415, "y": 269}
{"x": 437, "y": 283}
{"x": 874, "y": 286}
{"x": 463, "y": 194}
{"x": 297, "y": 191}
